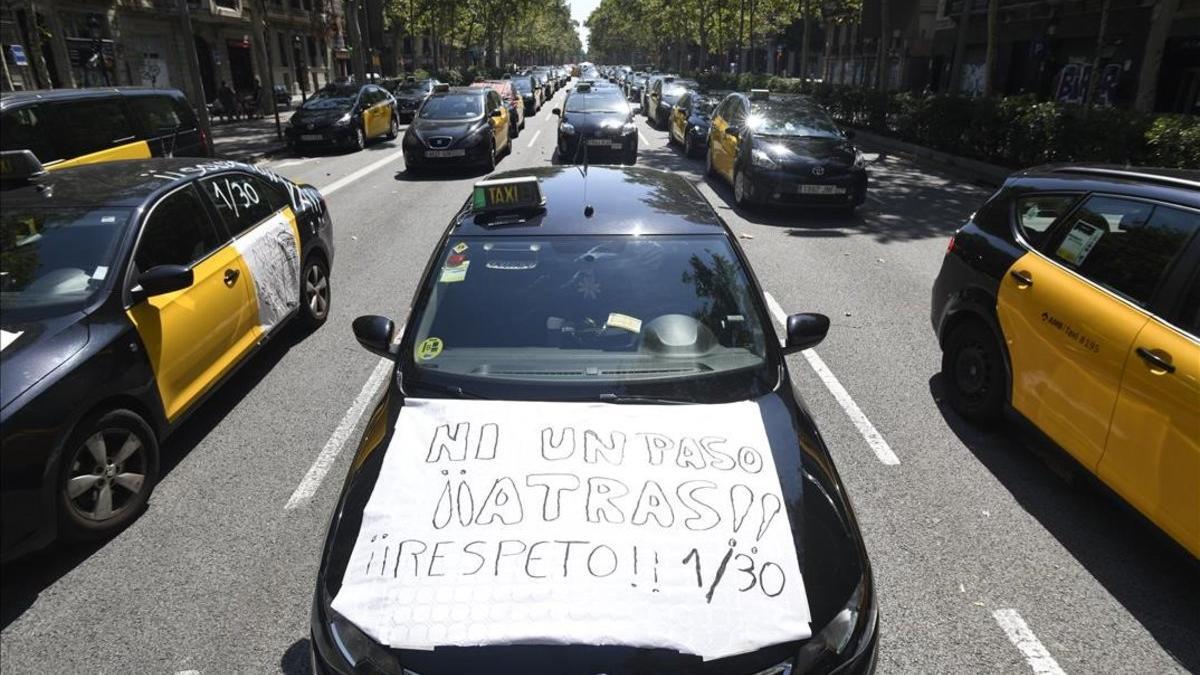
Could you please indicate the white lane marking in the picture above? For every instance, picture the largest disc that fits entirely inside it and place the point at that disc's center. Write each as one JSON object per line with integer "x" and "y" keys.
{"x": 642, "y": 138}
{"x": 869, "y": 433}
{"x": 875, "y": 199}
{"x": 316, "y": 473}
{"x": 534, "y": 139}
{"x": 293, "y": 162}
{"x": 346, "y": 180}
{"x": 1035, "y": 653}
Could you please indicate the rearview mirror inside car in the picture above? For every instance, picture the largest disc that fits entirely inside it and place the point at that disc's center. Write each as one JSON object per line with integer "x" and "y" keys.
{"x": 805, "y": 331}
{"x": 374, "y": 333}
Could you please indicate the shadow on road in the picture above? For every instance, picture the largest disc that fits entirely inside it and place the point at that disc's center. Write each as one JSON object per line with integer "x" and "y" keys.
{"x": 295, "y": 660}
{"x": 24, "y": 579}
{"x": 1151, "y": 577}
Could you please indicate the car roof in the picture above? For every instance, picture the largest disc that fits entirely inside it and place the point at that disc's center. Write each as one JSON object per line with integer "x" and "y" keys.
{"x": 461, "y": 91}
{"x": 15, "y": 98}
{"x": 1179, "y": 186}
{"x": 625, "y": 200}
{"x": 127, "y": 183}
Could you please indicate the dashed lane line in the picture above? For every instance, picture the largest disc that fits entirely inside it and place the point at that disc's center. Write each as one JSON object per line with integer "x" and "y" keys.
{"x": 316, "y": 473}
{"x": 534, "y": 139}
{"x": 869, "y": 433}
{"x": 346, "y": 180}
{"x": 1035, "y": 653}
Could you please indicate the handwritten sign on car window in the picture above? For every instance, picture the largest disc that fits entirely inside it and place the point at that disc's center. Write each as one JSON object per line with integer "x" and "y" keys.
{"x": 576, "y": 523}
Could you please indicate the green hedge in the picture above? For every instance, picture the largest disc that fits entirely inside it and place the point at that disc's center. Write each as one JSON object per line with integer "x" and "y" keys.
{"x": 1016, "y": 131}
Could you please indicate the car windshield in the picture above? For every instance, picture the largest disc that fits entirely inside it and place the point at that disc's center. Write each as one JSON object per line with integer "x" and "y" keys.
{"x": 598, "y": 102}
{"x": 705, "y": 106}
{"x": 453, "y": 107}
{"x": 674, "y": 90}
{"x": 523, "y": 85}
{"x": 332, "y": 98}
{"x": 783, "y": 118}
{"x": 580, "y": 316}
{"x": 411, "y": 88}
{"x": 55, "y": 260}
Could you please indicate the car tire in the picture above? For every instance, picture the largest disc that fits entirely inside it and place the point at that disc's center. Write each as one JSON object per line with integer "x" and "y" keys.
{"x": 741, "y": 190}
{"x": 359, "y": 141}
{"x": 709, "y": 169}
{"x": 393, "y": 129}
{"x": 973, "y": 373}
{"x": 490, "y": 164}
{"x": 630, "y": 157}
{"x": 316, "y": 292}
{"x": 689, "y": 147}
{"x": 109, "y": 469}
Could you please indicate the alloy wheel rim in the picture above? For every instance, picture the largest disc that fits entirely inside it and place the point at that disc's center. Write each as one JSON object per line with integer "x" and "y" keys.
{"x": 108, "y": 473}
{"x": 316, "y": 291}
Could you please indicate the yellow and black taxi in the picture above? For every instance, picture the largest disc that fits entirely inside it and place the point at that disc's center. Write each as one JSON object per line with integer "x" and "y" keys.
{"x": 129, "y": 291}
{"x": 1070, "y": 303}
{"x": 690, "y": 119}
{"x": 663, "y": 96}
{"x": 596, "y": 124}
{"x": 512, "y": 101}
{"x": 72, "y": 127}
{"x": 410, "y": 93}
{"x": 784, "y": 149}
{"x": 585, "y": 350}
{"x": 456, "y": 127}
{"x": 530, "y": 93}
{"x": 344, "y": 115}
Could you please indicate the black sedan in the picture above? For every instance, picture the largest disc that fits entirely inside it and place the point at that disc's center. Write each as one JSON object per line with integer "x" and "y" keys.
{"x": 595, "y": 124}
{"x": 344, "y": 115}
{"x": 663, "y": 96}
{"x": 457, "y": 127}
{"x": 129, "y": 291}
{"x": 410, "y": 94}
{"x": 690, "y": 119}
{"x": 591, "y": 458}
{"x": 530, "y": 93}
{"x": 784, "y": 149}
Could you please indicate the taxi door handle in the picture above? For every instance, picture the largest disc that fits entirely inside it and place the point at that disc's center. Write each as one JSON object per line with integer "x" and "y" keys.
{"x": 1023, "y": 278}
{"x": 1155, "y": 360}
{"x": 231, "y": 276}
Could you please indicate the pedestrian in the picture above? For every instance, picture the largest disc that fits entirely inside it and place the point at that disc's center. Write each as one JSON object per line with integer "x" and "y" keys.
{"x": 259, "y": 103}
{"x": 228, "y": 99}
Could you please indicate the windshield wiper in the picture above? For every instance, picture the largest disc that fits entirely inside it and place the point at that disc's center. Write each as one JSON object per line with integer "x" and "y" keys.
{"x": 452, "y": 389}
{"x": 622, "y": 398}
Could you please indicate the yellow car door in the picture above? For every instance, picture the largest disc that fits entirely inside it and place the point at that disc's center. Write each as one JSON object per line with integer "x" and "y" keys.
{"x": 499, "y": 119}
{"x": 727, "y": 142}
{"x": 189, "y": 334}
{"x": 1152, "y": 457}
{"x": 1068, "y": 330}
{"x": 678, "y": 122}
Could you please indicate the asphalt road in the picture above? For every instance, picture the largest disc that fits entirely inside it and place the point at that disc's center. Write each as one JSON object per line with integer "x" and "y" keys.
{"x": 986, "y": 558}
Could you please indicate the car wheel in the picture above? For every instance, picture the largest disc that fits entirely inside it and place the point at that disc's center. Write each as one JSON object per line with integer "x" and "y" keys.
{"x": 741, "y": 189}
{"x": 709, "y": 169}
{"x": 360, "y": 139}
{"x": 315, "y": 292}
{"x": 110, "y": 467}
{"x": 490, "y": 164}
{"x": 393, "y": 129}
{"x": 689, "y": 147}
{"x": 973, "y": 372}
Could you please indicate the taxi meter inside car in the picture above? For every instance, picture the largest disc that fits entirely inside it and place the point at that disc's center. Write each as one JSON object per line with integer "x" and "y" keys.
{"x": 590, "y": 458}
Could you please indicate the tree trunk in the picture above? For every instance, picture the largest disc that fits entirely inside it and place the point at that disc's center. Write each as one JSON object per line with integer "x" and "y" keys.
{"x": 960, "y": 46}
{"x": 804, "y": 46}
{"x": 358, "y": 63}
{"x": 753, "y": 55}
{"x": 989, "y": 62}
{"x": 827, "y": 68}
{"x": 741, "y": 55}
{"x": 1156, "y": 40}
{"x": 843, "y": 51}
{"x": 1094, "y": 83}
{"x": 885, "y": 41}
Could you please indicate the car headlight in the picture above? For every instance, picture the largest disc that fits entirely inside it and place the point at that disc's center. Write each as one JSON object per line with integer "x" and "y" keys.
{"x": 860, "y": 162}
{"x": 567, "y": 128}
{"x": 628, "y": 128}
{"x": 360, "y": 651}
{"x": 763, "y": 160}
{"x": 835, "y": 637}
{"x": 343, "y": 120}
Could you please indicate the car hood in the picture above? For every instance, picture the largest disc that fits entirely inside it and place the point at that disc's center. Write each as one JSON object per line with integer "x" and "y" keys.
{"x": 455, "y": 130}
{"x": 34, "y": 349}
{"x": 800, "y": 153}
{"x": 311, "y": 119}
{"x": 597, "y": 124}
{"x": 828, "y": 545}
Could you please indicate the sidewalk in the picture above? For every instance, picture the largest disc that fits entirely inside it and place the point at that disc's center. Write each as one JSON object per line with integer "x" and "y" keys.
{"x": 249, "y": 140}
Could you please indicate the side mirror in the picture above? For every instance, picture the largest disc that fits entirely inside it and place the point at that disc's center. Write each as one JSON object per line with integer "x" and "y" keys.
{"x": 374, "y": 333}
{"x": 848, "y": 133}
{"x": 805, "y": 331}
{"x": 733, "y": 130}
{"x": 556, "y": 111}
{"x": 498, "y": 112}
{"x": 162, "y": 279}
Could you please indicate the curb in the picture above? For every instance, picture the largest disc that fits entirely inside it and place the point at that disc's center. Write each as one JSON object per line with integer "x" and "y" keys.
{"x": 991, "y": 175}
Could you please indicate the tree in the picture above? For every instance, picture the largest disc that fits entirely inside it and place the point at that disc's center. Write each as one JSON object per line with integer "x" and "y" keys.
{"x": 989, "y": 62}
{"x": 1156, "y": 40}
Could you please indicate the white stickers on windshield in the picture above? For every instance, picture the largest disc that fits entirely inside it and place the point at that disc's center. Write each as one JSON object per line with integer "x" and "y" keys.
{"x": 495, "y": 523}
{"x": 1079, "y": 242}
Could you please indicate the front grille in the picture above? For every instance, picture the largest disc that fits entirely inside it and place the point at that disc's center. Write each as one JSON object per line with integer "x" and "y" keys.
{"x": 439, "y": 142}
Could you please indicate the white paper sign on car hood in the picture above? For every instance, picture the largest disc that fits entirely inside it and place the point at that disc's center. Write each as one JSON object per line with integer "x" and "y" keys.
{"x": 496, "y": 523}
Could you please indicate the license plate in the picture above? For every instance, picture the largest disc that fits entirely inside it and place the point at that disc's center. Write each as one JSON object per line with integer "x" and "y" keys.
{"x": 445, "y": 153}
{"x": 311, "y": 137}
{"x": 602, "y": 143}
{"x": 821, "y": 190}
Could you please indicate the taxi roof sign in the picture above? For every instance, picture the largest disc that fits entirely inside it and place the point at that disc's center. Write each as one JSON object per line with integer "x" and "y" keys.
{"x": 583, "y": 87}
{"x": 18, "y": 166}
{"x": 441, "y": 87}
{"x": 760, "y": 94}
{"x": 507, "y": 195}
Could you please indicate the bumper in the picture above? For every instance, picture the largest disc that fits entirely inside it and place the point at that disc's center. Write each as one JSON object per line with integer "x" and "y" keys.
{"x": 417, "y": 155}
{"x": 774, "y": 186}
{"x": 622, "y": 147}
{"x": 325, "y": 136}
